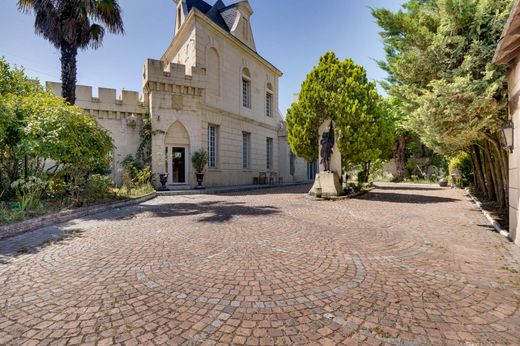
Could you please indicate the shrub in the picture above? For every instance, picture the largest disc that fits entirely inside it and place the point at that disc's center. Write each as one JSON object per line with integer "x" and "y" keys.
{"x": 30, "y": 192}
{"x": 136, "y": 175}
{"x": 99, "y": 187}
{"x": 43, "y": 136}
{"x": 462, "y": 162}
{"x": 361, "y": 177}
{"x": 144, "y": 176}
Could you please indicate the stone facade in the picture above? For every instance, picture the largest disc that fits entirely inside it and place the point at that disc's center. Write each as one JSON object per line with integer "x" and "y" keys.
{"x": 508, "y": 53}
{"x": 210, "y": 90}
{"x": 514, "y": 157}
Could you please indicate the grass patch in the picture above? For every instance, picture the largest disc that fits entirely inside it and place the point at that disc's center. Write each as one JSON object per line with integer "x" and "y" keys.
{"x": 12, "y": 211}
{"x": 140, "y": 191}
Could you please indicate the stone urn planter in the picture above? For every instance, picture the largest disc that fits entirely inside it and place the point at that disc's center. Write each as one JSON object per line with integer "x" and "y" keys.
{"x": 163, "y": 179}
{"x": 199, "y": 160}
{"x": 200, "y": 179}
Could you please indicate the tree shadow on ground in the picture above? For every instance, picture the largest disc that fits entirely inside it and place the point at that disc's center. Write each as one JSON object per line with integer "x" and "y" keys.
{"x": 214, "y": 211}
{"x": 488, "y": 227}
{"x": 210, "y": 212}
{"x": 274, "y": 190}
{"x": 24, "y": 244}
{"x": 391, "y": 197}
{"x": 408, "y": 188}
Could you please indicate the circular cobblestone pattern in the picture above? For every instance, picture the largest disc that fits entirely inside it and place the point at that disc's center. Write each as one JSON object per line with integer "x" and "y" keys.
{"x": 401, "y": 265}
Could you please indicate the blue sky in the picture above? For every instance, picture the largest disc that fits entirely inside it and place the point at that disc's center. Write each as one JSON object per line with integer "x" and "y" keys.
{"x": 292, "y": 34}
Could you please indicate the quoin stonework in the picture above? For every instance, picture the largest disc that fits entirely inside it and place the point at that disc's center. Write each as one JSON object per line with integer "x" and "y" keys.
{"x": 210, "y": 90}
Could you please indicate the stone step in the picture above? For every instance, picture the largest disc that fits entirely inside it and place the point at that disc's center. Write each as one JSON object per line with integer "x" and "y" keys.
{"x": 178, "y": 187}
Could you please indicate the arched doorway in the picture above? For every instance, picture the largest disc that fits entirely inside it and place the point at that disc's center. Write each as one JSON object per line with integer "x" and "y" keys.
{"x": 177, "y": 145}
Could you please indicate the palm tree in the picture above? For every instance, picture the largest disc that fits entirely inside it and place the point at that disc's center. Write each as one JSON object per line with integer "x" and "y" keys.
{"x": 71, "y": 25}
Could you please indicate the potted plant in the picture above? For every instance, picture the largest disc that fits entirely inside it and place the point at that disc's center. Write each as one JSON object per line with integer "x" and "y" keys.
{"x": 199, "y": 160}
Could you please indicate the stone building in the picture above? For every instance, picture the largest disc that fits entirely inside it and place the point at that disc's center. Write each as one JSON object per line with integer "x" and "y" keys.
{"x": 210, "y": 90}
{"x": 508, "y": 53}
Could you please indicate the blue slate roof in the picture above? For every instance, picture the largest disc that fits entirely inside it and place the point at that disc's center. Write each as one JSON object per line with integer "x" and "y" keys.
{"x": 212, "y": 12}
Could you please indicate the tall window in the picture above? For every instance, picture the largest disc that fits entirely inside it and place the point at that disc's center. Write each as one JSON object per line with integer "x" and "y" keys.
{"x": 269, "y": 100}
{"x": 212, "y": 146}
{"x": 269, "y": 104}
{"x": 246, "y": 143}
{"x": 246, "y": 93}
{"x": 269, "y": 153}
{"x": 246, "y": 88}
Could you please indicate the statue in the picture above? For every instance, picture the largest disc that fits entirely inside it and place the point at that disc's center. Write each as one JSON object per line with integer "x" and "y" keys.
{"x": 327, "y": 143}
{"x": 327, "y": 184}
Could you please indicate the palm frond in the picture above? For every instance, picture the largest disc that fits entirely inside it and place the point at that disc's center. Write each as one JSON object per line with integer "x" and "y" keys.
{"x": 109, "y": 13}
{"x": 25, "y": 6}
{"x": 97, "y": 32}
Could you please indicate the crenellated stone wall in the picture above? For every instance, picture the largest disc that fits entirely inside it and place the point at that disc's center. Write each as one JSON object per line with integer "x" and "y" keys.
{"x": 122, "y": 116}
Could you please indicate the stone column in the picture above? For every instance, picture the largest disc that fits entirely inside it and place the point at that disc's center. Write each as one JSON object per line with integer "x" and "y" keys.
{"x": 158, "y": 157}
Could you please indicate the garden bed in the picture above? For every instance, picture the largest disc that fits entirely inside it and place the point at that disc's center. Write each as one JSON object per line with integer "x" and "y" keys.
{"x": 49, "y": 216}
{"x": 13, "y": 210}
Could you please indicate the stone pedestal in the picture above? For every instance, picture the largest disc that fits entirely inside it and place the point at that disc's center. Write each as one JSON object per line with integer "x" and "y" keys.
{"x": 326, "y": 185}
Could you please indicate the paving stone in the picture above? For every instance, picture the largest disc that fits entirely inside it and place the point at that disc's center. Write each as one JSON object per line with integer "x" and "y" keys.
{"x": 402, "y": 265}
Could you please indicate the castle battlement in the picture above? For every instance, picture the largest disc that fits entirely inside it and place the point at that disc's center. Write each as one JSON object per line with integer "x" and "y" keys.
{"x": 174, "y": 74}
{"x": 106, "y": 96}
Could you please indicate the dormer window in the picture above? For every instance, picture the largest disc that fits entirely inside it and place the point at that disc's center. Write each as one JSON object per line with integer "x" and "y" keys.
{"x": 246, "y": 88}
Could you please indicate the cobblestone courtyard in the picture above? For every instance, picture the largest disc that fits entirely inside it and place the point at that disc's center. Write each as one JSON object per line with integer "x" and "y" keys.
{"x": 402, "y": 265}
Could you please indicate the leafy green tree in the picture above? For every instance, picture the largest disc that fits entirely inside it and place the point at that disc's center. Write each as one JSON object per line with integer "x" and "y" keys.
{"x": 9, "y": 163}
{"x": 13, "y": 84}
{"x": 71, "y": 25}
{"x": 42, "y": 135}
{"x": 58, "y": 132}
{"x": 340, "y": 90}
{"x": 401, "y": 136}
{"x": 438, "y": 55}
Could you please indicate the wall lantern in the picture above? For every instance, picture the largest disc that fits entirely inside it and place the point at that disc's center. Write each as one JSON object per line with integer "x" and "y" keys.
{"x": 508, "y": 136}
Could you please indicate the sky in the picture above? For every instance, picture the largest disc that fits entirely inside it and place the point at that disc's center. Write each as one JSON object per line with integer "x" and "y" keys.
{"x": 291, "y": 34}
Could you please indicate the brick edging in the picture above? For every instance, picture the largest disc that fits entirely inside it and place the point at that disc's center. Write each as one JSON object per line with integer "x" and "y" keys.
{"x": 20, "y": 227}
